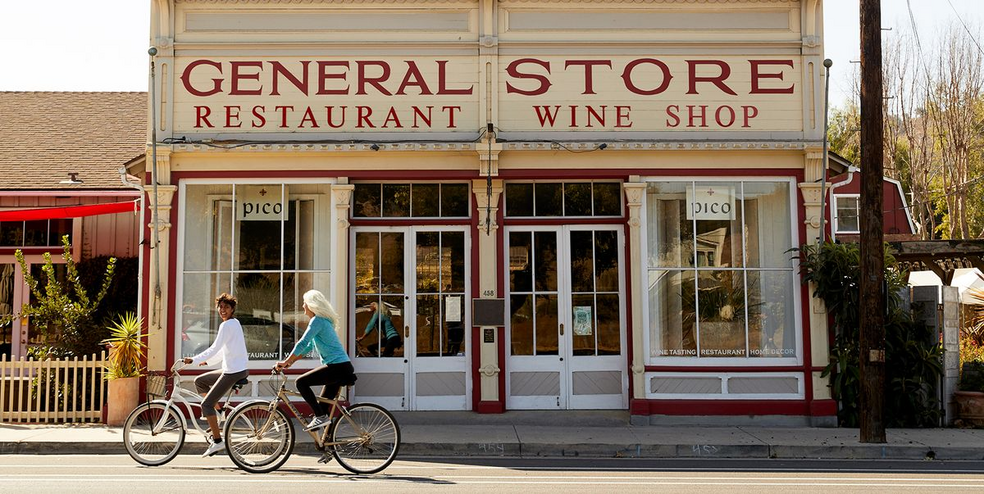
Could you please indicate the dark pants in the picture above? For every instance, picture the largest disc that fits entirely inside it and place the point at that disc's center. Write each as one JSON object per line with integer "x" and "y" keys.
{"x": 391, "y": 344}
{"x": 331, "y": 376}
{"x": 217, "y": 385}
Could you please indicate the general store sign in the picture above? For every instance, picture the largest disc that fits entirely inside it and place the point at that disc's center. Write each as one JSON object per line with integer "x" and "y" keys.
{"x": 443, "y": 94}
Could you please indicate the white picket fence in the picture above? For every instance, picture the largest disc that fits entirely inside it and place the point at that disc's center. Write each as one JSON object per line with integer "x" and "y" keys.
{"x": 58, "y": 390}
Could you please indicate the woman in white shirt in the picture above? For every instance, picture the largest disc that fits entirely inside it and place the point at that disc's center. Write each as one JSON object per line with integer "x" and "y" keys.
{"x": 230, "y": 346}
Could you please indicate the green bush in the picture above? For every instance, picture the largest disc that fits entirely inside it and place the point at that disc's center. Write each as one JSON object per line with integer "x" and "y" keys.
{"x": 912, "y": 350}
{"x": 972, "y": 376}
{"x": 63, "y": 312}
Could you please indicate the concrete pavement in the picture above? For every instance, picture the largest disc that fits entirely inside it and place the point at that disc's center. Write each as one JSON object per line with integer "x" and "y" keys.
{"x": 555, "y": 434}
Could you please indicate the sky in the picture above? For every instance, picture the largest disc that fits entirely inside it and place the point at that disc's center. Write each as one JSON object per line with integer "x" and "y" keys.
{"x": 46, "y": 45}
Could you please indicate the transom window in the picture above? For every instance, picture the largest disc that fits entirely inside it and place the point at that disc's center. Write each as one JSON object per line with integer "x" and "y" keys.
{"x": 418, "y": 200}
{"x": 720, "y": 278}
{"x": 550, "y": 199}
{"x": 848, "y": 214}
{"x": 36, "y": 233}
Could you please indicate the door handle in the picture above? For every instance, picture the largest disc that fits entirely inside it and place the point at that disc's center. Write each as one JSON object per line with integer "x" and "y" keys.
{"x": 562, "y": 329}
{"x": 406, "y": 332}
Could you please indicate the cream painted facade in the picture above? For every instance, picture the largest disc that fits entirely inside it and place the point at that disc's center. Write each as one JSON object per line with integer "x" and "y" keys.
{"x": 325, "y": 99}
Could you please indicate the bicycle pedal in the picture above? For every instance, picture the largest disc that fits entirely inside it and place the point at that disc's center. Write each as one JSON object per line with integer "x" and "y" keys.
{"x": 325, "y": 458}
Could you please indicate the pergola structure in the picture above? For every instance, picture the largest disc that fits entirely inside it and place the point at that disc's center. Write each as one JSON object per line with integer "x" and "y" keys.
{"x": 942, "y": 257}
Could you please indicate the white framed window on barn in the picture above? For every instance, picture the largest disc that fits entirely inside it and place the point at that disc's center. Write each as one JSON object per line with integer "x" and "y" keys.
{"x": 847, "y": 214}
{"x": 721, "y": 281}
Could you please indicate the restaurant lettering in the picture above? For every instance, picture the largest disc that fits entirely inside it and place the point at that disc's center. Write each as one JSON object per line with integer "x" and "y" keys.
{"x": 645, "y": 93}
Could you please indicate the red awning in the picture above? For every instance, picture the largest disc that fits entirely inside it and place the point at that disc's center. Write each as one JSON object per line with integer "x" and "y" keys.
{"x": 69, "y": 211}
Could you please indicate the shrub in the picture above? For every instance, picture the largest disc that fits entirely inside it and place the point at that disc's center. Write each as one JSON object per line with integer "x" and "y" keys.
{"x": 63, "y": 312}
{"x": 912, "y": 350}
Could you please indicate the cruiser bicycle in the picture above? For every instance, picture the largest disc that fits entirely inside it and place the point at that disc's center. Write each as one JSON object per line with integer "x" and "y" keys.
{"x": 364, "y": 438}
{"x": 155, "y": 431}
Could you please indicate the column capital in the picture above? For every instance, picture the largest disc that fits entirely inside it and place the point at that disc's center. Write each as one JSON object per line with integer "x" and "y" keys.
{"x": 634, "y": 193}
{"x": 482, "y": 199}
{"x": 489, "y": 156}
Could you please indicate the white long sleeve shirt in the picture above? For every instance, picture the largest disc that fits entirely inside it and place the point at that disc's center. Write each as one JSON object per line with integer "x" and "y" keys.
{"x": 230, "y": 345}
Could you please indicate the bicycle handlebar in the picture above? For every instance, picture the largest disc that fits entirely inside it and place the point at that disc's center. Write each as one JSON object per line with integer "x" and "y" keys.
{"x": 178, "y": 365}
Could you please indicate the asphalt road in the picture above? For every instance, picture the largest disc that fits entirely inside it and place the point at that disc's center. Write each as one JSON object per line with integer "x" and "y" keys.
{"x": 84, "y": 474}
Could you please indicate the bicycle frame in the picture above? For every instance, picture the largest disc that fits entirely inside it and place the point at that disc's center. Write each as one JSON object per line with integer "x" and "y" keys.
{"x": 190, "y": 399}
{"x": 320, "y": 441}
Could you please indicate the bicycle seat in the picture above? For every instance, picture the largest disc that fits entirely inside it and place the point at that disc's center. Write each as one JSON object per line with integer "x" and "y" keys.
{"x": 240, "y": 383}
{"x": 350, "y": 380}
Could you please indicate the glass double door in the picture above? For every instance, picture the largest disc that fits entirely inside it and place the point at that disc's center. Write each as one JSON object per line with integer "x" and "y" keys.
{"x": 410, "y": 308}
{"x": 566, "y": 332}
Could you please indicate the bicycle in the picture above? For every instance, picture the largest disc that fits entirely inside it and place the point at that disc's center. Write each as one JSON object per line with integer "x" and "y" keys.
{"x": 364, "y": 438}
{"x": 154, "y": 432}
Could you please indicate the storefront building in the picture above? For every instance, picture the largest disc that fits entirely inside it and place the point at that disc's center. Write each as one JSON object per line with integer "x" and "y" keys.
{"x": 555, "y": 205}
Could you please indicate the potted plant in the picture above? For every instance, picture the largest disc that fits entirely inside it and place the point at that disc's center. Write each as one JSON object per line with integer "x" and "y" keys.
{"x": 124, "y": 366}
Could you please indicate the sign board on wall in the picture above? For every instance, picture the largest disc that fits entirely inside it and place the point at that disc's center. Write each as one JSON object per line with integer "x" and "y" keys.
{"x": 259, "y": 202}
{"x": 419, "y": 94}
{"x": 311, "y": 95}
{"x": 710, "y": 202}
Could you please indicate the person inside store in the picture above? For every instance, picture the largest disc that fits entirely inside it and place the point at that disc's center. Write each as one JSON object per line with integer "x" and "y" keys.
{"x": 336, "y": 368}
{"x": 230, "y": 347}
{"x": 391, "y": 337}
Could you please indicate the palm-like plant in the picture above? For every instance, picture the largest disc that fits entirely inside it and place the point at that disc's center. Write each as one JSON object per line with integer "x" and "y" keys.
{"x": 126, "y": 347}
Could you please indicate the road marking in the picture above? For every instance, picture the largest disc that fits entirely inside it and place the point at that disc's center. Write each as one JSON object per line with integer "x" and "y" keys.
{"x": 234, "y": 475}
{"x": 649, "y": 482}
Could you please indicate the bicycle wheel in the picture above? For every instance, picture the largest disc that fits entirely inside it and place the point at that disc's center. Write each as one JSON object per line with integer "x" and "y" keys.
{"x": 367, "y": 440}
{"x": 153, "y": 434}
{"x": 259, "y": 439}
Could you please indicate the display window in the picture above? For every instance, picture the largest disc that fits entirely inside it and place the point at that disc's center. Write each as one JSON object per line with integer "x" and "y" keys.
{"x": 720, "y": 273}
{"x": 266, "y": 244}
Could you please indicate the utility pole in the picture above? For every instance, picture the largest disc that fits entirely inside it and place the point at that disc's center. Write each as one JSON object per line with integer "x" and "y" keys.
{"x": 872, "y": 298}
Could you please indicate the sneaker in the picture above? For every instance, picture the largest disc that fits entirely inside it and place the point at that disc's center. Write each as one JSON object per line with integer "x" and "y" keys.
{"x": 318, "y": 422}
{"x": 214, "y": 448}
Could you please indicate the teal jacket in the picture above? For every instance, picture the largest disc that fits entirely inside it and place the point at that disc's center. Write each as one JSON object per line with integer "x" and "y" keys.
{"x": 387, "y": 324}
{"x": 320, "y": 335}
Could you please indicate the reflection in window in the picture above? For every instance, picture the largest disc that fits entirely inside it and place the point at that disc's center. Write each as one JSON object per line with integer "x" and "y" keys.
{"x": 35, "y": 233}
{"x": 720, "y": 275}
{"x": 549, "y": 199}
{"x": 265, "y": 244}
{"x": 419, "y": 200}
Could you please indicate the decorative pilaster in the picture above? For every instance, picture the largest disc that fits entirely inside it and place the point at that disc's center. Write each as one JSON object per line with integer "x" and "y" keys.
{"x": 158, "y": 314}
{"x": 488, "y": 270}
{"x": 812, "y": 195}
{"x": 634, "y": 194}
{"x": 341, "y": 195}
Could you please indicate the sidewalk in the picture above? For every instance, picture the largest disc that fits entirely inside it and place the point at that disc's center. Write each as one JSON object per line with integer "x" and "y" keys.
{"x": 519, "y": 434}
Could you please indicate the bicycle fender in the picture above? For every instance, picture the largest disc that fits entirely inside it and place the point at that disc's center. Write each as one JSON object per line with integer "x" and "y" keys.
{"x": 248, "y": 403}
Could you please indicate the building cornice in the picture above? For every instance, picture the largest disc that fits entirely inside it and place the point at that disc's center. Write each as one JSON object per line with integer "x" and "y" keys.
{"x": 575, "y": 146}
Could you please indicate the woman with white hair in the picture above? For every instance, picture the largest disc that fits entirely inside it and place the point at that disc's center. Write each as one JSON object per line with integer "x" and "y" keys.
{"x": 336, "y": 370}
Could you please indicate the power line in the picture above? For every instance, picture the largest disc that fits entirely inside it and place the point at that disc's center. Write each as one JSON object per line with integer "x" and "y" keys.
{"x": 964, "y": 26}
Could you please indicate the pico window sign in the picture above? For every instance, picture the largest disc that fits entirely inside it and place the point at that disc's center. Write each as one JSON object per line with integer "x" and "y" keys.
{"x": 710, "y": 202}
{"x": 260, "y": 203}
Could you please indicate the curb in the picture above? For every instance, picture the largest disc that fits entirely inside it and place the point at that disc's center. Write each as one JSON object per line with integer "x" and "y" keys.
{"x": 557, "y": 450}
